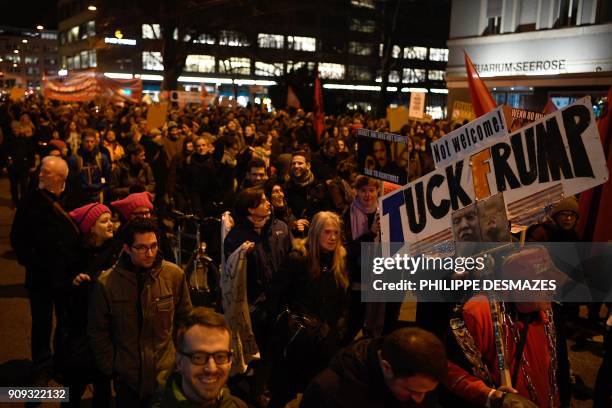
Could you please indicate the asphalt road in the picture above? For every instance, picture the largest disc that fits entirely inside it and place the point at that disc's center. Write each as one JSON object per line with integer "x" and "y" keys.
{"x": 15, "y": 318}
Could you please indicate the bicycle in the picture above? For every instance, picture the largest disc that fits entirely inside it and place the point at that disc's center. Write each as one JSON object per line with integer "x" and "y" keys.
{"x": 201, "y": 271}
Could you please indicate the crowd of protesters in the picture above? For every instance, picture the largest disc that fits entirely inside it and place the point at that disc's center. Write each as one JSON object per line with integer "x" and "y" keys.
{"x": 93, "y": 184}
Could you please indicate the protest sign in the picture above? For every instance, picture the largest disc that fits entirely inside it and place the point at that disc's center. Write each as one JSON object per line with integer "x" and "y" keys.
{"x": 522, "y": 117}
{"x": 397, "y": 118}
{"x": 156, "y": 115}
{"x": 382, "y": 155}
{"x": 471, "y": 137}
{"x": 417, "y": 105}
{"x": 462, "y": 111}
{"x": 558, "y": 155}
{"x": 17, "y": 94}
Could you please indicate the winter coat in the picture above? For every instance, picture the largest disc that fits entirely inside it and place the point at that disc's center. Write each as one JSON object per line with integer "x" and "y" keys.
{"x": 264, "y": 263}
{"x": 131, "y": 336}
{"x": 73, "y": 355}
{"x": 307, "y": 200}
{"x": 45, "y": 239}
{"x": 354, "y": 379}
{"x": 90, "y": 173}
{"x": 129, "y": 178}
{"x": 536, "y": 358}
{"x": 174, "y": 397}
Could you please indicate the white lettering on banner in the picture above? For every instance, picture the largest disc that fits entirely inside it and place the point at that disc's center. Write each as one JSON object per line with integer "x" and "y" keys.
{"x": 389, "y": 137}
{"x": 561, "y": 148}
{"x": 470, "y": 137}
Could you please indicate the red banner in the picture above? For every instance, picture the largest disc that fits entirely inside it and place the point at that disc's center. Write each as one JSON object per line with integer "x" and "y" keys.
{"x": 85, "y": 86}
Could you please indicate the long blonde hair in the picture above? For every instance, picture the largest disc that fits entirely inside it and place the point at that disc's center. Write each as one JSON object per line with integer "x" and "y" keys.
{"x": 311, "y": 248}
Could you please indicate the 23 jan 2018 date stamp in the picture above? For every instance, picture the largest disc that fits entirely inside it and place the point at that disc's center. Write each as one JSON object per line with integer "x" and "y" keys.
{"x": 34, "y": 394}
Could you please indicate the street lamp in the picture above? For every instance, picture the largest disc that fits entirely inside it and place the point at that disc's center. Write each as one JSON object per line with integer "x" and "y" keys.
{"x": 16, "y": 51}
{"x": 39, "y": 27}
{"x": 24, "y": 41}
{"x": 92, "y": 8}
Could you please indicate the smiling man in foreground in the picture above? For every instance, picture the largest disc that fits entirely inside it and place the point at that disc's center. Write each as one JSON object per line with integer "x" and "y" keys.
{"x": 203, "y": 360}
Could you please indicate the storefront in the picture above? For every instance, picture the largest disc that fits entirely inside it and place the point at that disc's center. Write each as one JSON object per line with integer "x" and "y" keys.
{"x": 526, "y": 69}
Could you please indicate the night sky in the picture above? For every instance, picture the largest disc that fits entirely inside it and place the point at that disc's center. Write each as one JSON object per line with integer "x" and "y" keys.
{"x": 28, "y": 13}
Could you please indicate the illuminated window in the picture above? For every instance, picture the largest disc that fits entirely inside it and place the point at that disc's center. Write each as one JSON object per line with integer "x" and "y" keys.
{"x": 438, "y": 54}
{"x": 381, "y": 48}
{"x": 151, "y": 31}
{"x": 331, "y": 71}
{"x": 233, "y": 39}
{"x": 301, "y": 43}
{"x": 265, "y": 69}
{"x": 152, "y": 60}
{"x": 31, "y": 60}
{"x": 72, "y": 34}
{"x": 396, "y": 51}
{"x": 364, "y": 26}
{"x": 48, "y": 36}
{"x": 359, "y": 73}
{"x": 88, "y": 29}
{"x": 413, "y": 75}
{"x": 394, "y": 76}
{"x": 270, "y": 41}
{"x": 200, "y": 63}
{"x": 358, "y": 48}
{"x": 84, "y": 59}
{"x": 435, "y": 75}
{"x": 205, "y": 39}
{"x": 237, "y": 66}
{"x": 371, "y": 4}
{"x": 415, "y": 53}
{"x": 295, "y": 65}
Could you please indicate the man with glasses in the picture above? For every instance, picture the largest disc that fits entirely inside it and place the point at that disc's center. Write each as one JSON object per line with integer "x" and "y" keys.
{"x": 132, "y": 315}
{"x": 203, "y": 362}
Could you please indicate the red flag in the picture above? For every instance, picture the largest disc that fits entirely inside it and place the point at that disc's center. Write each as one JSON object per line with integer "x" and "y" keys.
{"x": 318, "y": 115}
{"x": 292, "y": 99}
{"x": 482, "y": 101}
{"x": 596, "y": 203}
{"x": 550, "y": 107}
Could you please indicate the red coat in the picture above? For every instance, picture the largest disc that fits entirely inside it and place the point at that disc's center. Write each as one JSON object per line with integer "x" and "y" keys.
{"x": 477, "y": 317}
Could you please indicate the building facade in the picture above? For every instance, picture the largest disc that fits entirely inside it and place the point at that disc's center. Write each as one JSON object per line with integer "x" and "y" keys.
{"x": 343, "y": 38}
{"x": 26, "y": 56}
{"x": 530, "y": 51}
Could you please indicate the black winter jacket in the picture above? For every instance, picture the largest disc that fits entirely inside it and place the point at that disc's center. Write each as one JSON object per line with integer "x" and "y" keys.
{"x": 354, "y": 379}
{"x": 45, "y": 239}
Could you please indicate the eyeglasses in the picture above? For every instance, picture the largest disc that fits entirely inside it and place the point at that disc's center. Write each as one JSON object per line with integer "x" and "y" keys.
{"x": 143, "y": 249}
{"x": 200, "y": 358}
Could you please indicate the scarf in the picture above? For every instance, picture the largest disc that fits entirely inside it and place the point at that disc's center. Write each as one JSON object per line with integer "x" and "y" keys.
{"x": 304, "y": 180}
{"x": 359, "y": 218}
{"x": 258, "y": 223}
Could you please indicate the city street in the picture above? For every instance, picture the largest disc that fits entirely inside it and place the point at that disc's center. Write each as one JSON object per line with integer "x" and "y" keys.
{"x": 15, "y": 317}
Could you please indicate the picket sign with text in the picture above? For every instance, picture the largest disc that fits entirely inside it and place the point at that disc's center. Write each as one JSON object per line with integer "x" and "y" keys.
{"x": 417, "y": 104}
{"x": 562, "y": 150}
{"x": 471, "y": 137}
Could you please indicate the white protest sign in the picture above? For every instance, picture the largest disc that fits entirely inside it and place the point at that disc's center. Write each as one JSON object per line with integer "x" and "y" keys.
{"x": 560, "y": 152}
{"x": 471, "y": 137}
{"x": 417, "y": 105}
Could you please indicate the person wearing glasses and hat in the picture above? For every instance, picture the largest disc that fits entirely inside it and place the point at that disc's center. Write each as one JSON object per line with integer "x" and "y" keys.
{"x": 203, "y": 363}
{"x": 132, "y": 315}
